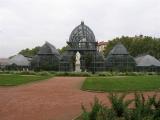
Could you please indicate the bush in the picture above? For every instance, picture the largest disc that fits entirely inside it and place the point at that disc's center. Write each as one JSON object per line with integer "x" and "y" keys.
{"x": 144, "y": 109}
{"x": 44, "y": 73}
{"x": 98, "y": 112}
{"x": 74, "y": 74}
{"x": 119, "y": 105}
{"x": 104, "y": 74}
{"x": 152, "y": 73}
{"x": 4, "y": 72}
{"x": 52, "y": 72}
{"x": 26, "y": 73}
{"x": 101, "y": 74}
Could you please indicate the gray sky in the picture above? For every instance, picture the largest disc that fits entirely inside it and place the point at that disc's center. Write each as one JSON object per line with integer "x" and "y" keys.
{"x": 29, "y": 23}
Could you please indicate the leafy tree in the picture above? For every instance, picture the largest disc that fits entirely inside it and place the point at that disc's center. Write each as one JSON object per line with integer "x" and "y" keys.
{"x": 63, "y": 49}
{"x": 30, "y": 52}
{"x": 137, "y": 45}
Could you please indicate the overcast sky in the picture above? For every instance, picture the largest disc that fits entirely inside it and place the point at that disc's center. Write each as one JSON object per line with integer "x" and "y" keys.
{"x": 29, "y": 23}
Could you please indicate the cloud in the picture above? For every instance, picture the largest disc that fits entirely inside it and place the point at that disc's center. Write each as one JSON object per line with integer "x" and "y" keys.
{"x": 29, "y": 23}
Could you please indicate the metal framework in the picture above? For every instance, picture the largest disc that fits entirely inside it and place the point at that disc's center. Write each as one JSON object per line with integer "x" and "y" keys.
{"x": 82, "y": 40}
{"x": 119, "y": 59}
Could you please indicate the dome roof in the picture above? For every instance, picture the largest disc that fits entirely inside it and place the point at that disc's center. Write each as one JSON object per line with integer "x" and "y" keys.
{"x": 147, "y": 60}
{"x": 82, "y": 33}
{"x": 19, "y": 60}
{"x": 119, "y": 49}
{"x": 48, "y": 48}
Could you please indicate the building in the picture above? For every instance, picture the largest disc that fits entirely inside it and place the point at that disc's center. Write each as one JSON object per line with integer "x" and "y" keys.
{"x": 147, "y": 63}
{"x": 119, "y": 59}
{"x": 101, "y": 46}
{"x": 18, "y": 62}
{"x": 82, "y": 40}
{"x": 47, "y": 58}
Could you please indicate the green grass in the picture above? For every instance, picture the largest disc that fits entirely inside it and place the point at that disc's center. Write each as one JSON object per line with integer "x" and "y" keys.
{"x": 14, "y": 79}
{"x": 122, "y": 83}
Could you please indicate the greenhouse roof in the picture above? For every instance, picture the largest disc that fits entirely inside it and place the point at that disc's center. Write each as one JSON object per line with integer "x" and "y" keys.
{"x": 19, "y": 60}
{"x": 80, "y": 32}
{"x": 147, "y": 60}
{"x": 48, "y": 48}
{"x": 119, "y": 49}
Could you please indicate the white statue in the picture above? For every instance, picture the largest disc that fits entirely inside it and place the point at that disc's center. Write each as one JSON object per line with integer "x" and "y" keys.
{"x": 78, "y": 55}
{"x": 77, "y": 64}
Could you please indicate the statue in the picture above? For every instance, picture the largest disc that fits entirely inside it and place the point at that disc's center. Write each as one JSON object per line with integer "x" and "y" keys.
{"x": 77, "y": 64}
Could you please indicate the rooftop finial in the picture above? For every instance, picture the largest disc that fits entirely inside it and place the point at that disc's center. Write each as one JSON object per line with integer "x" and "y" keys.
{"x": 82, "y": 22}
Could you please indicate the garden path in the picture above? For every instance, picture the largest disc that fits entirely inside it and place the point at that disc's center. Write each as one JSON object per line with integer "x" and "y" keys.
{"x": 58, "y": 98}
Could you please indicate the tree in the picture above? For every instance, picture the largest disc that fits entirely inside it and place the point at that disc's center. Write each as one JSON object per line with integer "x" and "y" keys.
{"x": 137, "y": 45}
{"x": 63, "y": 49}
{"x": 30, "y": 52}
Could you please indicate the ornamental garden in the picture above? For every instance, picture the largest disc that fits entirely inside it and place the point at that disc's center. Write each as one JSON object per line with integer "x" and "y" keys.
{"x": 117, "y": 71}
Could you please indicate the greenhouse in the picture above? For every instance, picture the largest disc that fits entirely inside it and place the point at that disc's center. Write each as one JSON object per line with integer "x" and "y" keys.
{"x": 67, "y": 61}
{"x": 18, "y": 62}
{"x": 82, "y": 40}
{"x": 119, "y": 59}
{"x": 47, "y": 58}
{"x": 147, "y": 63}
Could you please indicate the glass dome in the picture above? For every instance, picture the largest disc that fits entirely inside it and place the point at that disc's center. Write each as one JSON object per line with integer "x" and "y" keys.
{"x": 82, "y": 38}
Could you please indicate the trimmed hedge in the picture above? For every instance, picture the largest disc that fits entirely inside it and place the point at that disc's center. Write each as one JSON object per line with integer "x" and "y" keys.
{"x": 74, "y": 74}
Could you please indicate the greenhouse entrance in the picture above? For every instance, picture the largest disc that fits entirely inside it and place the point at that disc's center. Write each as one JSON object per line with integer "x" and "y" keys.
{"x": 82, "y": 41}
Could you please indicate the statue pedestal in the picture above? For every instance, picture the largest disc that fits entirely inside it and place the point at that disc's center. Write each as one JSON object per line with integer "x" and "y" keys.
{"x": 77, "y": 68}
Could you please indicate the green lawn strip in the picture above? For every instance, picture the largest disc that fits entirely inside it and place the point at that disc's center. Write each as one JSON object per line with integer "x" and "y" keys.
{"x": 122, "y": 83}
{"x": 13, "y": 79}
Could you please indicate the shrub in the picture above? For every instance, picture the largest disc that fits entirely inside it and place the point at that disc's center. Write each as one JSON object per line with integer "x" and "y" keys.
{"x": 144, "y": 109}
{"x": 52, "y": 72}
{"x": 27, "y": 73}
{"x": 6, "y": 72}
{"x": 80, "y": 74}
{"x": 151, "y": 73}
{"x": 119, "y": 105}
{"x": 101, "y": 74}
{"x": 44, "y": 73}
{"x": 96, "y": 107}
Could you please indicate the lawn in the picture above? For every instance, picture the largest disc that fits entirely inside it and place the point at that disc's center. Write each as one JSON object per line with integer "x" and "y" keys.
{"x": 14, "y": 79}
{"x": 122, "y": 83}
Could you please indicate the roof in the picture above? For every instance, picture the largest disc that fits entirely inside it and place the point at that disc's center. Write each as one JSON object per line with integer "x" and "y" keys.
{"x": 19, "y": 60}
{"x": 82, "y": 33}
{"x": 102, "y": 43}
{"x": 119, "y": 49}
{"x": 48, "y": 48}
{"x": 147, "y": 60}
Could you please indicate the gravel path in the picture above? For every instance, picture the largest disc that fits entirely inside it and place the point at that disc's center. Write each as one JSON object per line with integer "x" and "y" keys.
{"x": 58, "y": 98}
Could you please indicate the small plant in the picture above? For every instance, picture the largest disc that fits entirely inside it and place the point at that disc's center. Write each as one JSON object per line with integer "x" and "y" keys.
{"x": 156, "y": 103}
{"x": 27, "y": 73}
{"x": 143, "y": 107}
{"x": 119, "y": 105}
{"x": 44, "y": 73}
{"x": 74, "y": 74}
{"x": 96, "y": 108}
{"x": 101, "y": 74}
